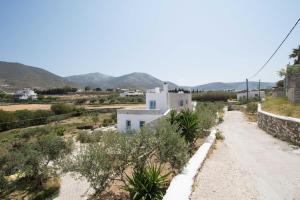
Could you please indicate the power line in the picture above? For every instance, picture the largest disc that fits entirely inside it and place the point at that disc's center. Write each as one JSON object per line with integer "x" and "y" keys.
{"x": 263, "y": 66}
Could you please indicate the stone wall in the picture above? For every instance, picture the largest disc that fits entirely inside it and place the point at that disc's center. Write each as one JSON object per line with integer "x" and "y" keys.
{"x": 278, "y": 92}
{"x": 284, "y": 128}
{"x": 293, "y": 88}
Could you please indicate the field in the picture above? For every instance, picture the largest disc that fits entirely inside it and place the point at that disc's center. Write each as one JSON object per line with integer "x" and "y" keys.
{"x": 15, "y": 107}
{"x": 115, "y": 106}
{"x": 281, "y": 106}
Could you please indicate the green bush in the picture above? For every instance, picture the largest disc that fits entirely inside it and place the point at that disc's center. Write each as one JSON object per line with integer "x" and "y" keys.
{"x": 206, "y": 112}
{"x": 146, "y": 183}
{"x": 252, "y": 107}
{"x": 62, "y": 108}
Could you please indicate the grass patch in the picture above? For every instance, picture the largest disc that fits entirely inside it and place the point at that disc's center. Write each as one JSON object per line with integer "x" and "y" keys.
{"x": 281, "y": 106}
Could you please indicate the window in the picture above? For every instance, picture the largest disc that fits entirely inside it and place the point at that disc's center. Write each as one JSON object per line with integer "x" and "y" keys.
{"x": 152, "y": 104}
{"x": 142, "y": 123}
{"x": 256, "y": 95}
{"x": 181, "y": 103}
{"x": 128, "y": 124}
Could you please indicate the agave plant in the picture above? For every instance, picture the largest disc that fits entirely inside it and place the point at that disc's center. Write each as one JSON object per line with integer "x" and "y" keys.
{"x": 188, "y": 123}
{"x": 172, "y": 117}
{"x": 146, "y": 183}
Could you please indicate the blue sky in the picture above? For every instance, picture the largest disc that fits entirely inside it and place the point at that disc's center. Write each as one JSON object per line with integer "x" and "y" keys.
{"x": 187, "y": 42}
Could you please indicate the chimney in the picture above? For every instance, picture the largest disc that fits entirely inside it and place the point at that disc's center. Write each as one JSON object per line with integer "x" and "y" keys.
{"x": 165, "y": 87}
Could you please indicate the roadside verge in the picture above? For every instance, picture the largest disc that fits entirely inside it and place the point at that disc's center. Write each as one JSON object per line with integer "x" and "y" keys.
{"x": 181, "y": 186}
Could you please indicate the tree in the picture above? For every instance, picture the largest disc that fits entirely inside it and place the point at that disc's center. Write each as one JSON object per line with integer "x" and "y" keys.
{"x": 282, "y": 73}
{"x": 32, "y": 159}
{"x": 87, "y": 88}
{"x": 280, "y": 83}
{"x": 296, "y": 55}
{"x": 103, "y": 162}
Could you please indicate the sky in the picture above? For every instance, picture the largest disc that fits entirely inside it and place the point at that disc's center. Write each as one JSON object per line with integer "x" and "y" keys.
{"x": 188, "y": 42}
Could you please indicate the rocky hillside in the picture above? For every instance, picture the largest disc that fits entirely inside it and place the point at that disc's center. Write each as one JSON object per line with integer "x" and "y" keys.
{"x": 16, "y": 76}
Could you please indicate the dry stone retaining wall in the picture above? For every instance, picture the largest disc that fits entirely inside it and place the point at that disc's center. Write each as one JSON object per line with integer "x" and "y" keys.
{"x": 284, "y": 128}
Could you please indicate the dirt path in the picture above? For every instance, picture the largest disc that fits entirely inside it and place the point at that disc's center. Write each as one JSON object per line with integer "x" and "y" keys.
{"x": 249, "y": 164}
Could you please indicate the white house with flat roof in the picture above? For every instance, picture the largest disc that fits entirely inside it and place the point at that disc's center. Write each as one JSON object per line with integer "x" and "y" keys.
{"x": 251, "y": 94}
{"x": 158, "y": 103}
{"x": 25, "y": 94}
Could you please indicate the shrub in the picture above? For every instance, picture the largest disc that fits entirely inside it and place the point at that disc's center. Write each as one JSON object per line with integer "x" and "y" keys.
{"x": 252, "y": 107}
{"x": 146, "y": 183}
{"x": 62, "y": 108}
{"x": 6, "y": 120}
{"x": 60, "y": 130}
{"x": 85, "y": 137}
{"x": 207, "y": 115}
{"x": 171, "y": 146}
{"x": 219, "y": 135}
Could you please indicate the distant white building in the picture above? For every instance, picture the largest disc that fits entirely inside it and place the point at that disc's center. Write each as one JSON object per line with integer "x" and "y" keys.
{"x": 25, "y": 94}
{"x": 131, "y": 93}
{"x": 251, "y": 94}
{"x": 158, "y": 104}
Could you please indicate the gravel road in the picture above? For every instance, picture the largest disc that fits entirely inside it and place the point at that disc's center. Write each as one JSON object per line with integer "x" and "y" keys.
{"x": 249, "y": 164}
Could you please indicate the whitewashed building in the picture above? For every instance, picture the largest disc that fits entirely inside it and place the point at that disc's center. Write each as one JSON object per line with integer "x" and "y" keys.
{"x": 25, "y": 94}
{"x": 158, "y": 103}
{"x": 131, "y": 93}
{"x": 251, "y": 94}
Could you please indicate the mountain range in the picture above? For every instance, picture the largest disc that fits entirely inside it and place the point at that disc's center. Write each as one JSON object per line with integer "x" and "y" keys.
{"x": 134, "y": 80}
{"x": 234, "y": 86}
{"x": 16, "y": 76}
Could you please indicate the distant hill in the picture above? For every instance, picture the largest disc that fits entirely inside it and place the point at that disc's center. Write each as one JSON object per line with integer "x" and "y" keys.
{"x": 16, "y": 76}
{"x": 134, "y": 80}
{"x": 233, "y": 86}
{"x": 91, "y": 79}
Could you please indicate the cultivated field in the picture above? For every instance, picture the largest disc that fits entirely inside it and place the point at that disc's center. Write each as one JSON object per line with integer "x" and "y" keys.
{"x": 115, "y": 106}
{"x": 15, "y": 107}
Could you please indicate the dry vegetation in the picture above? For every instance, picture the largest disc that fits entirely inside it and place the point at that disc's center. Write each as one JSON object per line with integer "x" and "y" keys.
{"x": 14, "y": 107}
{"x": 281, "y": 106}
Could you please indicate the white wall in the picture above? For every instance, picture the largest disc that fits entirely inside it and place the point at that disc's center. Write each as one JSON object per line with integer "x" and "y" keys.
{"x": 160, "y": 98}
{"x": 135, "y": 120}
{"x": 175, "y": 98}
{"x": 251, "y": 94}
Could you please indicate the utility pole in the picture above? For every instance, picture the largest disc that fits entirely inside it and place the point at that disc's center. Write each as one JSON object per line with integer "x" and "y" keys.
{"x": 247, "y": 89}
{"x": 259, "y": 90}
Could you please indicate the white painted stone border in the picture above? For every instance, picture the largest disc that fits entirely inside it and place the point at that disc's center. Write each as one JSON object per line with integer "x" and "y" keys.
{"x": 297, "y": 120}
{"x": 181, "y": 186}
